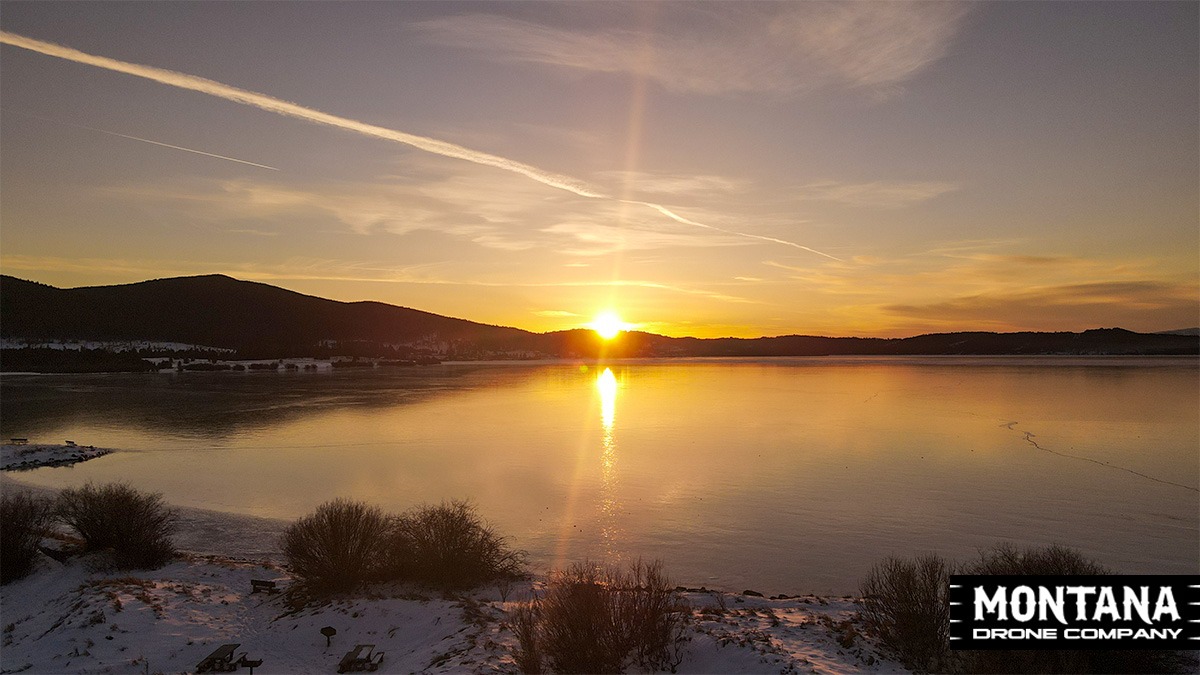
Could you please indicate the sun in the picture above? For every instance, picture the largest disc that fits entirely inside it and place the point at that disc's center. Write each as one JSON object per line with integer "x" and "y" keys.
{"x": 608, "y": 325}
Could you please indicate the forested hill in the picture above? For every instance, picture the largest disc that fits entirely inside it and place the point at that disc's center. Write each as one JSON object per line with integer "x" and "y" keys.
{"x": 257, "y": 320}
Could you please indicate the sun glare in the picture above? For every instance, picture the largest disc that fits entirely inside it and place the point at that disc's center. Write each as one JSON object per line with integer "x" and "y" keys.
{"x": 607, "y": 325}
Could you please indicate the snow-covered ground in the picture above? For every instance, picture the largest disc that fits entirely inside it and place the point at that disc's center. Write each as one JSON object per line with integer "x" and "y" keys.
{"x": 74, "y": 617}
{"x": 18, "y": 456}
{"x": 110, "y": 345}
{"x": 65, "y": 618}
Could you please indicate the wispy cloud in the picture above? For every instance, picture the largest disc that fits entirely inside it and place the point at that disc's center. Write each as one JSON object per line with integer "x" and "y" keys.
{"x": 312, "y": 269}
{"x": 597, "y": 238}
{"x": 875, "y": 194}
{"x": 274, "y": 105}
{"x": 743, "y": 47}
{"x": 671, "y": 184}
{"x": 1130, "y": 304}
{"x": 492, "y": 209}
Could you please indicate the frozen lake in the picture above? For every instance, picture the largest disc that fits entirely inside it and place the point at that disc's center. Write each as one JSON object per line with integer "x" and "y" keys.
{"x": 783, "y": 475}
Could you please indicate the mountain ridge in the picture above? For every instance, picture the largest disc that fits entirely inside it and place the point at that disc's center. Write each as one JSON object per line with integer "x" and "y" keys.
{"x": 259, "y": 320}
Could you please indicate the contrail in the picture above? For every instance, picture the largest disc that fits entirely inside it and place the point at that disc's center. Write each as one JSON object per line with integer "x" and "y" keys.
{"x": 687, "y": 221}
{"x": 281, "y": 107}
{"x": 271, "y": 104}
{"x": 176, "y": 147}
{"x": 144, "y": 140}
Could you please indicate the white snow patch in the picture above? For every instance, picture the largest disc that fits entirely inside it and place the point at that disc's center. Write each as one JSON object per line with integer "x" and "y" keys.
{"x": 18, "y": 456}
{"x": 65, "y": 618}
{"x": 108, "y": 345}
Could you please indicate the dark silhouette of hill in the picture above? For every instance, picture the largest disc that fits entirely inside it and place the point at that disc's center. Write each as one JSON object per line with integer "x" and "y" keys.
{"x": 219, "y": 311}
{"x": 259, "y": 321}
{"x": 1110, "y": 341}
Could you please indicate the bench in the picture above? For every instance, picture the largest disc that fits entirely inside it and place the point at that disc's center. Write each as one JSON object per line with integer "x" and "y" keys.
{"x": 18, "y": 441}
{"x": 262, "y": 586}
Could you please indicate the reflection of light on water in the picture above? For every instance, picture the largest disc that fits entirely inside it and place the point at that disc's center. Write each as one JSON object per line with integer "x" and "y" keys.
{"x": 606, "y": 384}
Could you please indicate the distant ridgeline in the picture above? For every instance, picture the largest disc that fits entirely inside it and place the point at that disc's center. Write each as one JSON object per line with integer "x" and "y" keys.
{"x": 216, "y": 316}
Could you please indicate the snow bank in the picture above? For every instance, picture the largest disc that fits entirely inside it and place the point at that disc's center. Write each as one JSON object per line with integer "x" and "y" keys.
{"x": 18, "y": 456}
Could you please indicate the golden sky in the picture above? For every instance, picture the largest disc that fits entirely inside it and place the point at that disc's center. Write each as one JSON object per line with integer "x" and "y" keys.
{"x": 699, "y": 168}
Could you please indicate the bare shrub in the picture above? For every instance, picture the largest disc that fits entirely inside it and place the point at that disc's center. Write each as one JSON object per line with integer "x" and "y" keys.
{"x": 524, "y": 625}
{"x": 24, "y": 518}
{"x": 450, "y": 546}
{"x": 337, "y": 547}
{"x": 136, "y": 526}
{"x": 1006, "y": 558}
{"x": 906, "y": 603}
{"x": 593, "y": 619}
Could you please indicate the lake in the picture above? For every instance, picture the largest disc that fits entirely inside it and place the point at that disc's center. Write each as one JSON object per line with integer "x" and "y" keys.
{"x": 781, "y": 475}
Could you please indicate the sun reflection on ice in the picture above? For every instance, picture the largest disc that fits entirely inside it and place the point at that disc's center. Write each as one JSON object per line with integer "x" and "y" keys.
{"x": 606, "y": 384}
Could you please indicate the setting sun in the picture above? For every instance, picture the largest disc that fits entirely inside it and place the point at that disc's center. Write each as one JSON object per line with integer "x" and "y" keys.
{"x": 607, "y": 325}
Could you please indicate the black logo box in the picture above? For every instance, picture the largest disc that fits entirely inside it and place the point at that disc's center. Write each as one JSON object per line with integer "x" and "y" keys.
{"x": 976, "y": 620}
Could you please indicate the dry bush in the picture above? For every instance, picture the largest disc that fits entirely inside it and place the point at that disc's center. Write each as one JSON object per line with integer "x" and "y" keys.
{"x": 449, "y": 546}
{"x": 524, "y": 625}
{"x": 337, "y": 547}
{"x": 906, "y": 603}
{"x": 1005, "y": 558}
{"x": 136, "y": 526}
{"x": 593, "y": 619}
{"x": 24, "y": 518}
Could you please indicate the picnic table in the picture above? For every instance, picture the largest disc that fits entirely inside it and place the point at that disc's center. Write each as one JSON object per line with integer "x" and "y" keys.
{"x": 354, "y": 660}
{"x": 223, "y": 661}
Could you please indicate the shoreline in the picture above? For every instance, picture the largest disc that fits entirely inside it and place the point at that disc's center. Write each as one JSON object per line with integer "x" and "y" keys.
{"x": 24, "y": 456}
{"x": 238, "y": 536}
{"x": 74, "y": 616}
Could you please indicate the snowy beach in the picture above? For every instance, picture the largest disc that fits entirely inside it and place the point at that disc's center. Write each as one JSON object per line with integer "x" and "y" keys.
{"x": 75, "y": 617}
{"x": 64, "y": 618}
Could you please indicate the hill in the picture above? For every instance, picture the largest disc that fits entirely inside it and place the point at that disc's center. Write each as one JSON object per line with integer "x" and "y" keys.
{"x": 219, "y": 311}
{"x": 257, "y": 320}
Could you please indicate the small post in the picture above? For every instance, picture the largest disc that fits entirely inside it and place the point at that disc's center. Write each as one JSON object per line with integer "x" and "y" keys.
{"x": 328, "y": 632}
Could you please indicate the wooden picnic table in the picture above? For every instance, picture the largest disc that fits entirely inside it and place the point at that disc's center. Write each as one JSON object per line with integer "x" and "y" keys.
{"x": 221, "y": 660}
{"x": 354, "y": 662}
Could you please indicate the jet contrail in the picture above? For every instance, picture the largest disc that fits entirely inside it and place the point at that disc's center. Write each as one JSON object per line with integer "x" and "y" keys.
{"x": 281, "y": 107}
{"x": 271, "y": 104}
{"x": 144, "y": 140}
{"x": 687, "y": 221}
{"x": 198, "y": 152}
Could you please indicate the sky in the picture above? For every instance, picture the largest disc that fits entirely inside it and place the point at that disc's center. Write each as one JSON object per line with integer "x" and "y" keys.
{"x": 698, "y": 168}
